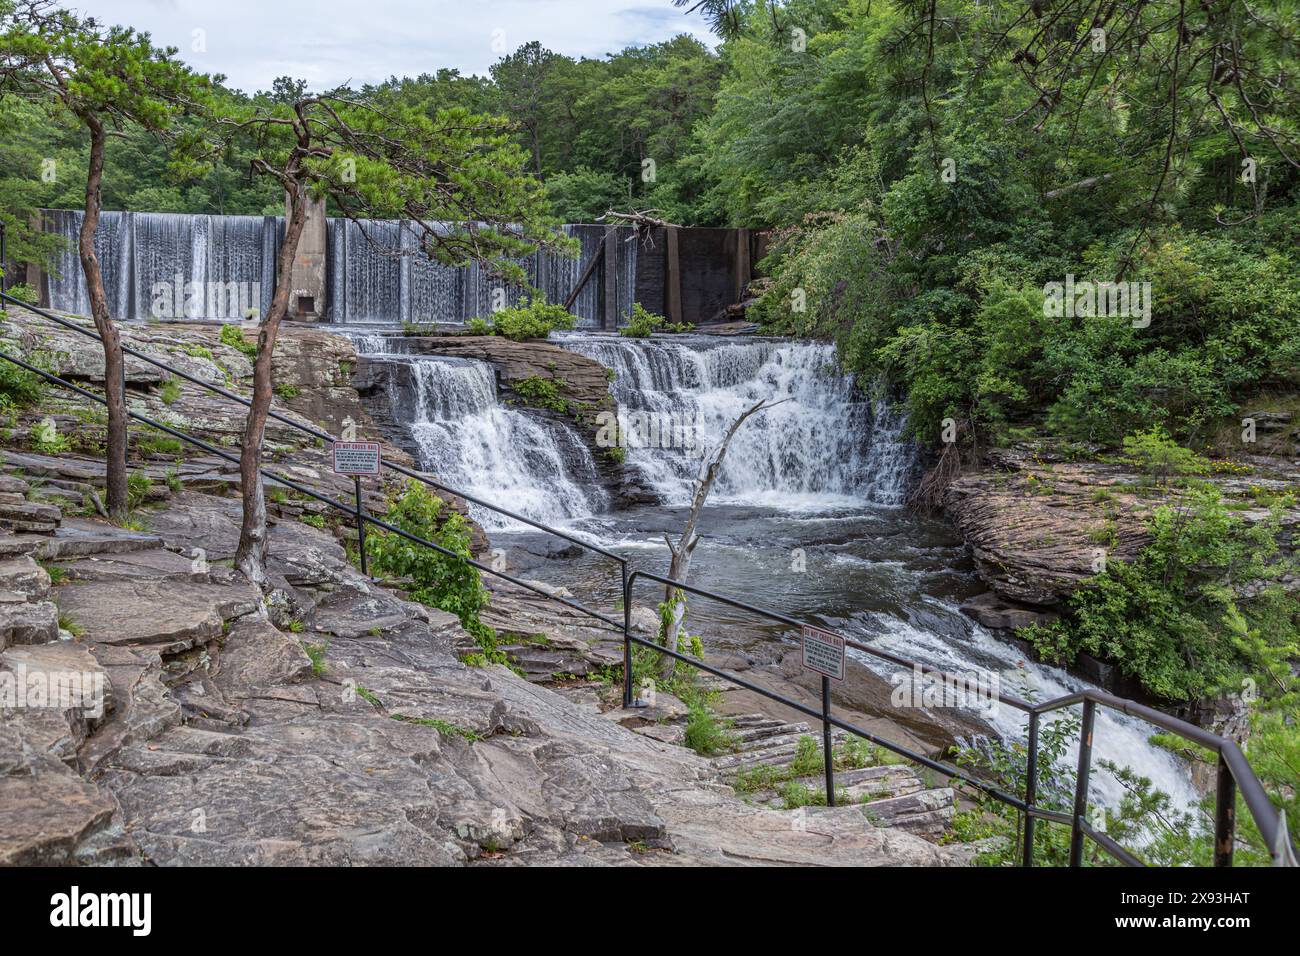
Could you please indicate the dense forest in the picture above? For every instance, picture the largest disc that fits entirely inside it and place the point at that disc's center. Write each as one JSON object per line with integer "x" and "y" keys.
{"x": 930, "y": 170}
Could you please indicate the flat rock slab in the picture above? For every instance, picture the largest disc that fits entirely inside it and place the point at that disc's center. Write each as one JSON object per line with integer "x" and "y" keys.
{"x": 134, "y": 612}
{"x": 255, "y": 656}
{"x": 153, "y": 564}
{"x": 79, "y": 537}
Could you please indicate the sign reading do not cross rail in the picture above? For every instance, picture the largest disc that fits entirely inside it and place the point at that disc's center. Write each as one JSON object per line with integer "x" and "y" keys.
{"x": 356, "y": 457}
{"x": 823, "y": 652}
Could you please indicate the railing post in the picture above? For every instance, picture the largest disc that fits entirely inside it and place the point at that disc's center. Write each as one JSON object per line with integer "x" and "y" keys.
{"x": 1225, "y": 815}
{"x": 826, "y": 741}
{"x": 1031, "y": 789}
{"x": 627, "y": 637}
{"x": 1081, "y": 783}
{"x": 361, "y": 525}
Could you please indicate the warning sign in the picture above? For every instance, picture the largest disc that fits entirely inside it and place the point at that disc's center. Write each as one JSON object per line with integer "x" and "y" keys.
{"x": 823, "y": 652}
{"x": 356, "y": 457}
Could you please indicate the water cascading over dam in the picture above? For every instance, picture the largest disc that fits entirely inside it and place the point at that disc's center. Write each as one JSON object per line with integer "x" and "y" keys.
{"x": 169, "y": 265}
{"x": 223, "y": 265}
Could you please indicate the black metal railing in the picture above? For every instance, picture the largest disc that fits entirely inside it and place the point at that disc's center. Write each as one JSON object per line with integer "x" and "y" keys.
{"x": 357, "y": 510}
{"x": 1234, "y": 772}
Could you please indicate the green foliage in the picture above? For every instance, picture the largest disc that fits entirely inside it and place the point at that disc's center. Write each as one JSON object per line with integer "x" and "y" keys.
{"x": 46, "y": 438}
{"x": 19, "y": 388}
{"x": 643, "y": 324}
{"x": 478, "y": 326}
{"x": 170, "y": 391}
{"x": 542, "y": 392}
{"x": 445, "y": 581}
{"x": 531, "y": 319}
{"x": 233, "y": 336}
{"x": 138, "y": 486}
{"x": 1173, "y": 617}
{"x": 316, "y": 654}
{"x": 1161, "y": 457}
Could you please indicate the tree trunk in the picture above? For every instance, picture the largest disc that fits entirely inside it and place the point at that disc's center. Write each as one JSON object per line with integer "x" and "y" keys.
{"x": 114, "y": 385}
{"x": 684, "y": 547}
{"x": 250, "y": 558}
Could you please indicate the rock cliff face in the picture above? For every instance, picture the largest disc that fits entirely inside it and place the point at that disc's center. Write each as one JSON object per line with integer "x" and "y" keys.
{"x": 1040, "y": 524}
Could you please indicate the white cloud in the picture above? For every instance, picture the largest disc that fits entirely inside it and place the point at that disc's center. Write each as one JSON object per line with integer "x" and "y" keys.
{"x": 329, "y": 42}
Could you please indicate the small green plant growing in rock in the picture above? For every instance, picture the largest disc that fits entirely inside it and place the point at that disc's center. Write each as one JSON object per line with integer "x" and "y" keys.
{"x": 1161, "y": 457}
{"x": 138, "y": 486}
{"x": 19, "y": 388}
{"x": 233, "y": 336}
{"x": 542, "y": 392}
{"x": 72, "y": 627}
{"x": 316, "y": 654}
{"x": 644, "y": 323}
{"x": 46, "y": 439}
{"x": 286, "y": 392}
{"x": 316, "y": 521}
{"x": 479, "y": 326}
{"x": 159, "y": 443}
{"x": 444, "y": 727}
{"x": 296, "y": 626}
{"x": 198, "y": 351}
{"x": 170, "y": 390}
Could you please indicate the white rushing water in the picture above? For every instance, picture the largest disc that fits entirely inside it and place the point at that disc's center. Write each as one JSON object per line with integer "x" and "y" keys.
{"x": 1118, "y": 738}
{"x": 826, "y": 449}
{"x": 822, "y": 445}
{"x": 539, "y": 468}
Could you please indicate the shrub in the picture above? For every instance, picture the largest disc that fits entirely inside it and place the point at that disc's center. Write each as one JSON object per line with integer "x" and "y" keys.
{"x": 445, "y": 581}
{"x": 1161, "y": 457}
{"x": 532, "y": 319}
{"x": 643, "y": 324}
{"x": 1168, "y": 617}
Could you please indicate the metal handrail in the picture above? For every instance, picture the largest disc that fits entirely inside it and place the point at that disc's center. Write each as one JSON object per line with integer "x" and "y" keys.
{"x": 326, "y": 436}
{"x": 1234, "y": 770}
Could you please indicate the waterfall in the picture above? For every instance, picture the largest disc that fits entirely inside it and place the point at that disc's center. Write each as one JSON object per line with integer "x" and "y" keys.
{"x": 536, "y": 466}
{"x": 824, "y": 445}
{"x": 378, "y": 275}
{"x": 179, "y": 265}
{"x": 169, "y": 265}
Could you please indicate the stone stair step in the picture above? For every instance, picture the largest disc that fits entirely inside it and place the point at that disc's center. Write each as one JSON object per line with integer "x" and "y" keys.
{"x": 80, "y": 537}
{"x": 31, "y": 516}
{"x": 157, "y": 564}
{"x": 924, "y": 812}
{"x": 23, "y": 577}
{"x": 35, "y": 622}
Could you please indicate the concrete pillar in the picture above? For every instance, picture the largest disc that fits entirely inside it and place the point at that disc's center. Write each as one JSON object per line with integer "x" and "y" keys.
{"x": 672, "y": 276}
{"x": 609, "y": 311}
{"x": 307, "y": 285}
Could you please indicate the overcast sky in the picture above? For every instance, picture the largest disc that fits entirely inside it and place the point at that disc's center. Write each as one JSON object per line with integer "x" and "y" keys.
{"x": 328, "y": 42}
